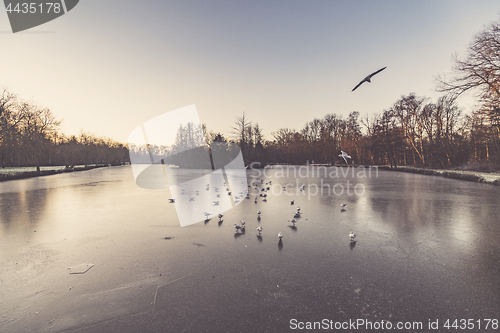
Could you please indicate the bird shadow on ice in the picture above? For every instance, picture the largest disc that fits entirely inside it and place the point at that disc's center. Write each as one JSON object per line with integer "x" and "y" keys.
{"x": 259, "y": 237}
{"x": 352, "y": 245}
{"x": 294, "y": 228}
{"x": 238, "y": 234}
{"x": 220, "y": 222}
{"x": 280, "y": 245}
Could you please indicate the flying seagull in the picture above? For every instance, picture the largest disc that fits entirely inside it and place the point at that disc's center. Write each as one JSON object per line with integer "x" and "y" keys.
{"x": 344, "y": 156}
{"x": 368, "y": 78}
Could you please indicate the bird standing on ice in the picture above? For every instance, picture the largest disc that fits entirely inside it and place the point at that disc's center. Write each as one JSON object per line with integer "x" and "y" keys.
{"x": 352, "y": 236}
{"x": 368, "y": 78}
{"x": 237, "y": 227}
{"x": 259, "y": 230}
{"x": 280, "y": 236}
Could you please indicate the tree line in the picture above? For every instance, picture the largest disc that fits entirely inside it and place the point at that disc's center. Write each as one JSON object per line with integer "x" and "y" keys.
{"x": 30, "y": 136}
{"x": 413, "y": 131}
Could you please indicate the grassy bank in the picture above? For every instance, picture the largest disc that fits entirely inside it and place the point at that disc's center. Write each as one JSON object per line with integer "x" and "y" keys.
{"x": 30, "y": 174}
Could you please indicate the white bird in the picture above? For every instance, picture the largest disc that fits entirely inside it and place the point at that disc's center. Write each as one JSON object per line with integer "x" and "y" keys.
{"x": 352, "y": 236}
{"x": 293, "y": 221}
{"x": 368, "y": 78}
{"x": 220, "y": 217}
{"x": 280, "y": 235}
{"x": 216, "y": 203}
{"x": 298, "y": 208}
{"x": 296, "y": 214}
{"x": 344, "y": 156}
{"x": 237, "y": 227}
{"x": 242, "y": 224}
{"x": 259, "y": 229}
{"x": 343, "y": 205}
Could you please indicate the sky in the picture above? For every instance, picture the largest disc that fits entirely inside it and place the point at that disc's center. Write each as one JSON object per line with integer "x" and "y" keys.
{"x": 106, "y": 67}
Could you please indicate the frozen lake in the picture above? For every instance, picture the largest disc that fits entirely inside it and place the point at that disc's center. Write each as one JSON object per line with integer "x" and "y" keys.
{"x": 427, "y": 249}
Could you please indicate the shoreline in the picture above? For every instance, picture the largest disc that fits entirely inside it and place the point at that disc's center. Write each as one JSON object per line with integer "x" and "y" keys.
{"x": 472, "y": 176}
{"x": 41, "y": 173}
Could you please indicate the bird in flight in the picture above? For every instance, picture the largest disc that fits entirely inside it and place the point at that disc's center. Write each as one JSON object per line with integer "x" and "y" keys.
{"x": 368, "y": 78}
{"x": 344, "y": 156}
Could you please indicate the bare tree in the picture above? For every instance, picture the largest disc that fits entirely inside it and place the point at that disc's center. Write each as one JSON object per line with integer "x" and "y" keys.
{"x": 240, "y": 130}
{"x": 37, "y": 128}
{"x": 480, "y": 69}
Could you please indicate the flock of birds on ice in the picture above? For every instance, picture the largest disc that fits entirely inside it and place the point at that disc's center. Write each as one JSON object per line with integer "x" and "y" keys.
{"x": 297, "y": 214}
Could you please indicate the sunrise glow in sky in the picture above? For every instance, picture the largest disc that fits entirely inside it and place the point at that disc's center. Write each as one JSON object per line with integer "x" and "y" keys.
{"x": 108, "y": 66}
